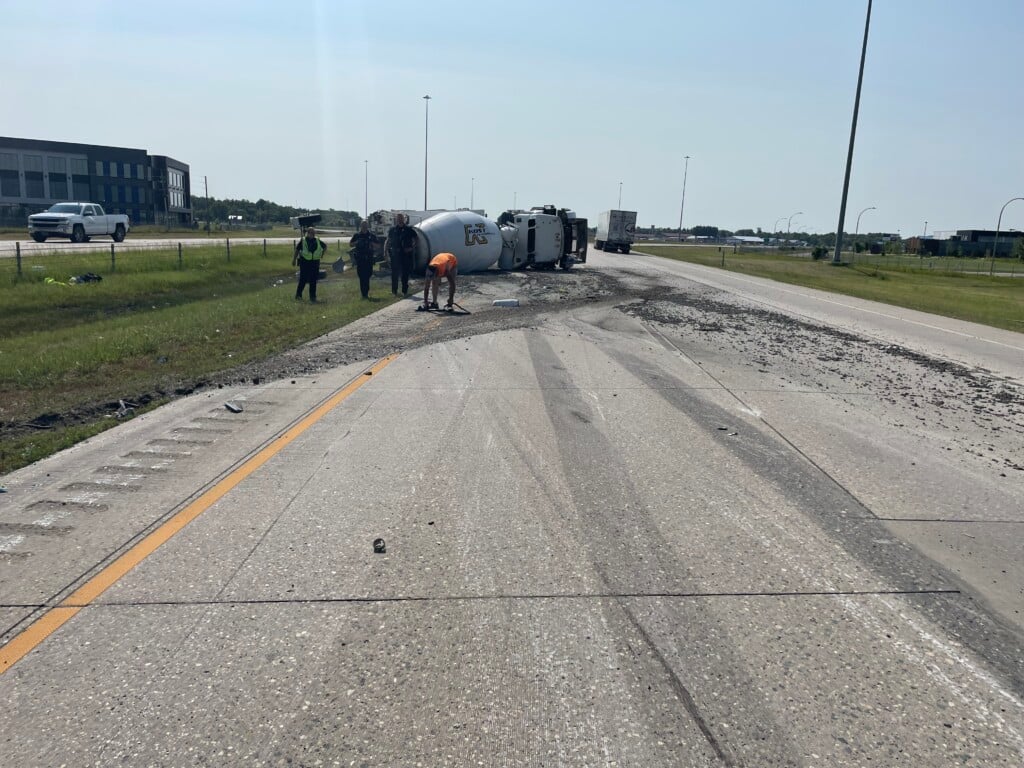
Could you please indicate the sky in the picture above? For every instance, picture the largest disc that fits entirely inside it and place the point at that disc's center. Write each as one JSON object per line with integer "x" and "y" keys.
{"x": 319, "y": 103}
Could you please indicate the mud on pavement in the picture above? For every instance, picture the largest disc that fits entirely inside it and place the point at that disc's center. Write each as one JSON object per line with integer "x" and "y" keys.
{"x": 929, "y": 391}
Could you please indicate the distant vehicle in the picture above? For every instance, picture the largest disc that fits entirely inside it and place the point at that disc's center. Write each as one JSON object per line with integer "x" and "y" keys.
{"x": 78, "y": 222}
{"x": 615, "y": 231}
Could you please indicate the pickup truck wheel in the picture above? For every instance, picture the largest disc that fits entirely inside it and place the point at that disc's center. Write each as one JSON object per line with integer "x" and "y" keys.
{"x": 625, "y": 249}
{"x": 78, "y": 234}
{"x": 118, "y": 233}
{"x": 39, "y": 237}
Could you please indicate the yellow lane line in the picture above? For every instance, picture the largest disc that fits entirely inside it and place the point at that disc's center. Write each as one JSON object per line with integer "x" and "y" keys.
{"x": 53, "y": 619}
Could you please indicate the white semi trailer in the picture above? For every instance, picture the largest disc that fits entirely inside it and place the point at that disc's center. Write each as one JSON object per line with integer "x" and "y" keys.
{"x": 615, "y": 231}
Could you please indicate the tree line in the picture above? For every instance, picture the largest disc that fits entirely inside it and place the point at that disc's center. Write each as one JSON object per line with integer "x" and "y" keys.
{"x": 262, "y": 212}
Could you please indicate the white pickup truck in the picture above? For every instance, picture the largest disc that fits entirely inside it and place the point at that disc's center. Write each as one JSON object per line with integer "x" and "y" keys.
{"x": 77, "y": 221}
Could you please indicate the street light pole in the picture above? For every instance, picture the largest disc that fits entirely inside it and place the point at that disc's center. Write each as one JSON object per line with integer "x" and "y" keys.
{"x": 995, "y": 245}
{"x": 472, "y": 189}
{"x": 366, "y": 189}
{"x": 790, "y": 221}
{"x": 777, "y": 231}
{"x": 686, "y": 171}
{"x": 426, "y": 138}
{"x": 856, "y": 230}
{"x": 853, "y": 134}
{"x": 620, "y": 195}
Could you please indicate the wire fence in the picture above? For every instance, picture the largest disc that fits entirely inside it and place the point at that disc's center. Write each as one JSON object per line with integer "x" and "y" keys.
{"x": 32, "y": 265}
{"x": 907, "y": 262}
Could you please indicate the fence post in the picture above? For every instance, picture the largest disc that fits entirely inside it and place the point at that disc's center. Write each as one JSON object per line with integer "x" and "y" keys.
{"x": 264, "y": 247}
{"x": 180, "y": 265}
{"x": 228, "y": 242}
{"x": 17, "y": 255}
{"x": 113, "y": 263}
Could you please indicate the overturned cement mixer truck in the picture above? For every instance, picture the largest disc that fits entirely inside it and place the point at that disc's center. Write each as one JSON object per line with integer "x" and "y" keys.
{"x": 543, "y": 237}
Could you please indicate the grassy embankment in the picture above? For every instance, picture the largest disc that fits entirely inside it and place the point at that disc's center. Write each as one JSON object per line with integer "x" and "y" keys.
{"x": 148, "y": 331}
{"x": 997, "y": 301}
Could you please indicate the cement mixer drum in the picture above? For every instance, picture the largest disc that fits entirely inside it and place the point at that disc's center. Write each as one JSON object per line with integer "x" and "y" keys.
{"x": 475, "y": 240}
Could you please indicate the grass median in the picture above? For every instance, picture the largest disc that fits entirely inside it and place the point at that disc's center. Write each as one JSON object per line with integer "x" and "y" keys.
{"x": 153, "y": 328}
{"x": 996, "y": 301}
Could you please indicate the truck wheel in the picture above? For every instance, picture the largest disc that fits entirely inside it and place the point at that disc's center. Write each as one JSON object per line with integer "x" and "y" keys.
{"x": 118, "y": 233}
{"x": 566, "y": 262}
{"x": 599, "y": 244}
{"x": 625, "y": 249}
{"x": 78, "y": 234}
{"x": 39, "y": 237}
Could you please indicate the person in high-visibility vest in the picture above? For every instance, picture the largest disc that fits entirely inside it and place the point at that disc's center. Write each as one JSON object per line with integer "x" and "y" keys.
{"x": 308, "y": 253}
{"x": 442, "y": 265}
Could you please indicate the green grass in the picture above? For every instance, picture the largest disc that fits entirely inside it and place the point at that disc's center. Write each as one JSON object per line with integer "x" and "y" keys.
{"x": 901, "y": 281}
{"x": 148, "y": 329}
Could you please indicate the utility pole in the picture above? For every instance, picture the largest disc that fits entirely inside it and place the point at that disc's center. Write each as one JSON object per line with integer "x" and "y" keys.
{"x": 426, "y": 139}
{"x": 853, "y": 135}
{"x": 686, "y": 171}
{"x": 366, "y": 189}
{"x": 206, "y": 193}
{"x": 472, "y": 186}
{"x": 620, "y": 195}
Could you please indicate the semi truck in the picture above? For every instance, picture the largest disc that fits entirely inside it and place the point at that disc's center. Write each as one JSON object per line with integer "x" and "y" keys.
{"x": 615, "y": 231}
{"x": 78, "y": 222}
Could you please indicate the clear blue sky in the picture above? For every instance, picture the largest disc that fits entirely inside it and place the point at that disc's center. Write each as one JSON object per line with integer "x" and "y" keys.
{"x": 549, "y": 101}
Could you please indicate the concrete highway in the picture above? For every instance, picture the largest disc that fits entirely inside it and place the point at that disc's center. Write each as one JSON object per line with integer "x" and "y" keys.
{"x": 703, "y": 520}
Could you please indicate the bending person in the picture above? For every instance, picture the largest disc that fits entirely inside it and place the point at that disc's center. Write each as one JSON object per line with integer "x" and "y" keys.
{"x": 442, "y": 265}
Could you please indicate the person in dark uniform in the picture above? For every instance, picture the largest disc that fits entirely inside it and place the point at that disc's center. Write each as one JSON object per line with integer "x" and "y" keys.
{"x": 308, "y": 253}
{"x": 363, "y": 243}
{"x": 401, "y": 250}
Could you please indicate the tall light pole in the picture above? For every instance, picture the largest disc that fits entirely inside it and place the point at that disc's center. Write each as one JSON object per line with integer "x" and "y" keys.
{"x": 686, "y": 171}
{"x": 426, "y": 138}
{"x": 853, "y": 134}
{"x": 366, "y": 189}
{"x": 776, "y": 229}
{"x": 790, "y": 221}
{"x": 856, "y": 230}
{"x": 620, "y": 195}
{"x": 515, "y": 201}
{"x": 995, "y": 245}
{"x": 472, "y": 188}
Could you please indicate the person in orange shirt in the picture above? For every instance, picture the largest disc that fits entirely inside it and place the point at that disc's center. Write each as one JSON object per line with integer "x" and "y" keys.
{"x": 442, "y": 265}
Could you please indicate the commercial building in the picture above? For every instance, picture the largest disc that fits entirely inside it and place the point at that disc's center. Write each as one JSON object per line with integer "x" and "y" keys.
{"x": 35, "y": 174}
{"x": 967, "y": 242}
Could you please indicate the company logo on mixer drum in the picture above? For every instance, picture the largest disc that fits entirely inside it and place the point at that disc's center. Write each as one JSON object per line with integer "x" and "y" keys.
{"x": 476, "y": 234}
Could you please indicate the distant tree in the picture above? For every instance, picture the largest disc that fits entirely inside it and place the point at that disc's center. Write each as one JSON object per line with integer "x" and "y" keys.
{"x": 1018, "y": 249}
{"x": 747, "y": 232}
{"x": 704, "y": 231}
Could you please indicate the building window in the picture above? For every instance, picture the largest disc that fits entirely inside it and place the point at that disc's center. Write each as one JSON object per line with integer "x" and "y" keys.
{"x": 127, "y": 168}
{"x": 56, "y": 165}
{"x": 135, "y": 194}
{"x": 99, "y": 168}
{"x": 58, "y": 187}
{"x": 79, "y": 166}
{"x": 33, "y": 163}
{"x": 8, "y": 162}
{"x": 81, "y": 189}
{"x": 34, "y": 184}
{"x": 10, "y": 185}
{"x": 113, "y": 169}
